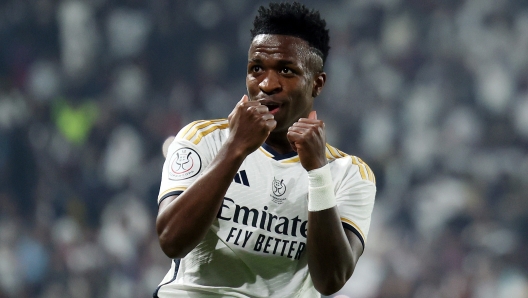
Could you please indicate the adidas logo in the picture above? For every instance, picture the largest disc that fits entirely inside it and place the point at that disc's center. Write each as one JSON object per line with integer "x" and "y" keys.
{"x": 241, "y": 178}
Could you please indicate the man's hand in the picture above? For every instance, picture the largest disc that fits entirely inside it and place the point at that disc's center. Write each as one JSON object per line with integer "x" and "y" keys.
{"x": 250, "y": 124}
{"x": 307, "y": 138}
{"x": 184, "y": 220}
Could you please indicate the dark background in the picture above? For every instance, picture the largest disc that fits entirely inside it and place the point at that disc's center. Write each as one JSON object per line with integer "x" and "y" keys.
{"x": 432, "y": 94}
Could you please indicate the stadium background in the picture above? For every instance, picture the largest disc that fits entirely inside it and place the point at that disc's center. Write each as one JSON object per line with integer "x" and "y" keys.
{"x": 432, "y": 94}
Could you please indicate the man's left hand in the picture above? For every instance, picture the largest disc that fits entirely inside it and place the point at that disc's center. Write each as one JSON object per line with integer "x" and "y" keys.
{"x": 307, "y": 138}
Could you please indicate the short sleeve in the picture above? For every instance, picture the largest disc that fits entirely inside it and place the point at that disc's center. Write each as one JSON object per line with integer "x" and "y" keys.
{"x": 189, "y": 154}
{"x": 355, "y": 198}
{"x": 184, "y": 163}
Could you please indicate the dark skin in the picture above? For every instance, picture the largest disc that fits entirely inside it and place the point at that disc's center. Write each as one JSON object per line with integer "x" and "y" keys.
{"x": 283, "y": 79}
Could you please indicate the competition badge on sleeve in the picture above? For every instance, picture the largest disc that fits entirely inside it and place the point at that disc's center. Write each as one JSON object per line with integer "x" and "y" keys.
{"x": 184, "y": 163}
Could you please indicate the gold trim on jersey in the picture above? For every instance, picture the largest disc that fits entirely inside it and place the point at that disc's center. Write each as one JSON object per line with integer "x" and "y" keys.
{"x": 348, "y": 221}
{"x": 288, "y": 160}
{"x": 202, "y": 134}
{"x": 266, "y": 152}
{"x": 293, "y": 159}
{"x": 178, "y": 188}
{"x": 198, "y": 129}
{"x": 331, "y": 154}
{"x": 369, "y": 171}
{"x": 364, "y": 170}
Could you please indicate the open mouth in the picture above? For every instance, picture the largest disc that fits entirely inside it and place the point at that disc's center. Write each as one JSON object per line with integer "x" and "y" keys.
{"x": 273, "y": 108}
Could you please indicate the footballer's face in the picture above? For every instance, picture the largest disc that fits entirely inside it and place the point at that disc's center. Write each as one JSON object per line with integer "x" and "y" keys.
{"x": 285, "y": 75}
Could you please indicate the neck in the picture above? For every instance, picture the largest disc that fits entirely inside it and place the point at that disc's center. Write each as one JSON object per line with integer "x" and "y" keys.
{"x": 279, "y": 142}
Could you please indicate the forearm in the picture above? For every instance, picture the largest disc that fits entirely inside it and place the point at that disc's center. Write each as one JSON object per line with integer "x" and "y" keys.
{"x": 330, "y": 257}
{"x": 183, "y": 223}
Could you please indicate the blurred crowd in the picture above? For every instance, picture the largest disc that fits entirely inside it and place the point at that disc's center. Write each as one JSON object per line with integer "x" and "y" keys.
{"x": 432, "y": 94}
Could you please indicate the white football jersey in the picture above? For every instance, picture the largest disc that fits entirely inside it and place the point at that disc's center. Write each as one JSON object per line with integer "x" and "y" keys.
{"x": 256, "y": 245}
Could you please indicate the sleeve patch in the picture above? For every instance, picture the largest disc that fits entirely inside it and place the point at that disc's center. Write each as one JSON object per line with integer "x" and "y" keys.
{"x": 184, "y": 164}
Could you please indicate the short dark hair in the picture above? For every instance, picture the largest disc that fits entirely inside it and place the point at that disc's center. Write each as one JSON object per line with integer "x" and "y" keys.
{"x": 293, "y": 19}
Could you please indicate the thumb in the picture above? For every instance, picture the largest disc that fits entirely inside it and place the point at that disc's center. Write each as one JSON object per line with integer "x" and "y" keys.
{"x": 312, "y": 115}
{"x": 244, "y": 99}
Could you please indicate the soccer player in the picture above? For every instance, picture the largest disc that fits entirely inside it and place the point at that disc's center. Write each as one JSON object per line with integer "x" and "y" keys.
{"x": 258, "y": 204}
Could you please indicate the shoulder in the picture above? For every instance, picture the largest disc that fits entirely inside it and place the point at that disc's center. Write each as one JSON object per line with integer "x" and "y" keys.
{"x": 195, "y": 132}
{"x": 341, "y": 161}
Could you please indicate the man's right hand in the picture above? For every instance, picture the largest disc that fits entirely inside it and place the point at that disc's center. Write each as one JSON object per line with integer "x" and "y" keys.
{"x": 184, "y": 220}
{"x": 250, "y": 124}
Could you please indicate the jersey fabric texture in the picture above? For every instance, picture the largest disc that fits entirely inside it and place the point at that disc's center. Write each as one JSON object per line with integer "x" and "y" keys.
{"x": 256, "y": 245}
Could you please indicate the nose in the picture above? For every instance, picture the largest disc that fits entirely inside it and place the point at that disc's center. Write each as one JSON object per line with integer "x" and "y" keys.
{"x": 271, "y": 83}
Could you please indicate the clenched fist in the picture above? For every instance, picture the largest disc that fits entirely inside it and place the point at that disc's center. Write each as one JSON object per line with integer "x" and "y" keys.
{"x": 307, "y": 137}
{"x": 250, "y": 123}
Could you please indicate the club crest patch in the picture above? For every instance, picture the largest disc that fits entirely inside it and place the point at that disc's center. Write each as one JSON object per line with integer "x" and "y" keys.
{"x": 184, "y": 163}
{"x": 278, "y": 188}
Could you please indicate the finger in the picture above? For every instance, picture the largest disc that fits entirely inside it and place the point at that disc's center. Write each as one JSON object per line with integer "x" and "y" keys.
{"x": 268, "y": 116}
{"x": 261, "y": 109}
{"x": 291, "y": 138}
{"x": 244, "y": 101}
{"x": 312, "y": 115}
{"x": 271, "y": 124}
{"x": 310, "y": 121}
{"x": 303, "y": 125}
{"x": 298, "y": 130}
{"x": 294, "y": 136}
{"x": 270, "y": 121}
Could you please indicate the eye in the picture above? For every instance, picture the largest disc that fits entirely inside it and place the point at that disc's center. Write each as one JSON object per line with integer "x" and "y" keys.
{"x": 286, "y": 70}
{"x": 256, "y": 68}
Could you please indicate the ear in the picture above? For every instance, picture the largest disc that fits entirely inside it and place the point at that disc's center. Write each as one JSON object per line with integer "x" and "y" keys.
{"x": 319, "y": 82}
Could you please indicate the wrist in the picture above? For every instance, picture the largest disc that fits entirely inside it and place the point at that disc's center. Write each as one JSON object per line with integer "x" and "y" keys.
{"x": 320, "y": 189}
{"x": 234, "y": 150}
{"x": 228, "y": 161}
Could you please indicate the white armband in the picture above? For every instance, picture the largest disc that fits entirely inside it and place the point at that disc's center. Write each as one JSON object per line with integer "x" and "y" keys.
{"x": 320, "y": 189}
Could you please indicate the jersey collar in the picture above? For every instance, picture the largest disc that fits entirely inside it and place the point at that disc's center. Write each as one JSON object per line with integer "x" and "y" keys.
{"x": 270, "y": 152}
